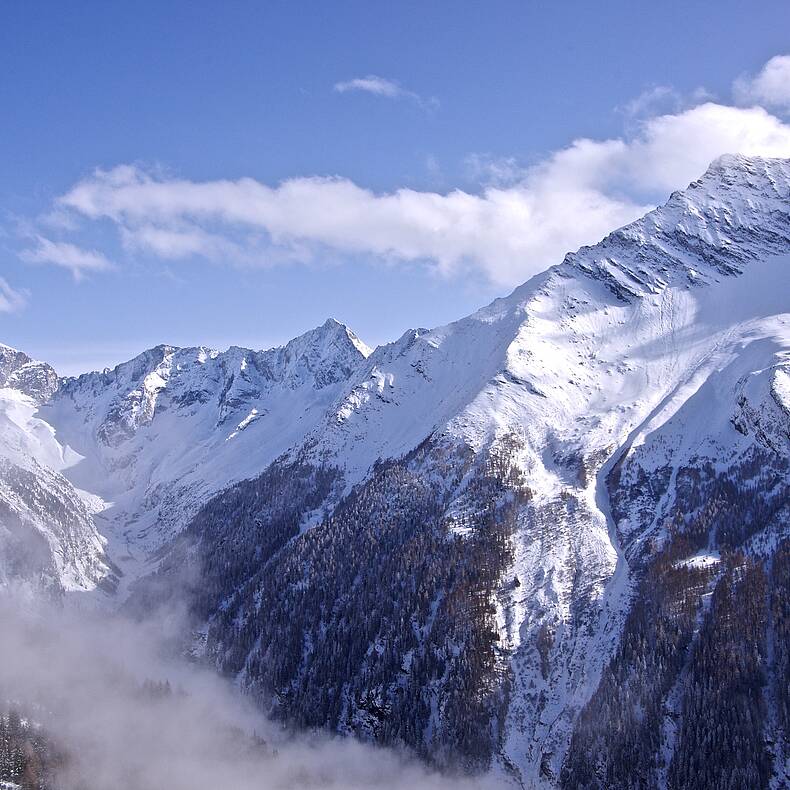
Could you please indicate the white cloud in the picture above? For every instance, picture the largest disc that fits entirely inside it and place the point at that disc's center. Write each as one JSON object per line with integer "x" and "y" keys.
{"x": 498, "y": 230}
{"x": 652, "y": 101}
{"x": 769, "y": 88}
{"x": 11, "y": 300}
{"x": 386, "y": 88}
{"x": 379, "y": 86}
{"x": 670, "y": 150}
{"x": 519, "y": 222}
{"x": 69, "y": 256}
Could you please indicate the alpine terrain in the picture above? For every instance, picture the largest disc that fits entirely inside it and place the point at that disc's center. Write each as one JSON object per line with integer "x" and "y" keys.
{"x": 548, "y": 543}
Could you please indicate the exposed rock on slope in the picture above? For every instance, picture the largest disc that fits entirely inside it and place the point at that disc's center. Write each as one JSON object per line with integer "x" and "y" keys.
{"x": 18, "y": 371}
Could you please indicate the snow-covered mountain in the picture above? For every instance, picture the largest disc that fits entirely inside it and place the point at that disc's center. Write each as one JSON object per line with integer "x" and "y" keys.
{"x": 144, "y": 444}
{"x": 661, "y": 349}
{"x": 48, "y": 539}
{"x": 473, "y": 539}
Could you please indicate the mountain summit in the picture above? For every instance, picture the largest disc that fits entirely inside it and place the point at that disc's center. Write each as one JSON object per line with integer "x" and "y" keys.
{"x": 18, "y": 371}
{"x": 737, "y": 212}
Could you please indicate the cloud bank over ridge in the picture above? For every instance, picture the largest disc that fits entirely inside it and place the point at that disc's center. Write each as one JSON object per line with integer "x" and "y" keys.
{"x": 504, "y": 231}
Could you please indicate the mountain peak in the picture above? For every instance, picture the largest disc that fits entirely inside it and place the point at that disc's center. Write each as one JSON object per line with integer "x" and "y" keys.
{"x": 18, "y": 371}
{"x": 762, "y": 176}
{"x": 335, "y": 330}
{"x": 737, "y": 212}
{"x": 326, "y": 354}
{"x": 733, "y": 162}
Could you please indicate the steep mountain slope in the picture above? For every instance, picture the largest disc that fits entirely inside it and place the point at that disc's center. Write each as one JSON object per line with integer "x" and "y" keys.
{"x": 48, "y": 539}
{"x": 585, "y": 392}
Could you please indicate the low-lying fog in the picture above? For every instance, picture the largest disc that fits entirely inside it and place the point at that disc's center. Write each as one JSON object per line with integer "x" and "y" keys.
{"x": 83, "y": 677}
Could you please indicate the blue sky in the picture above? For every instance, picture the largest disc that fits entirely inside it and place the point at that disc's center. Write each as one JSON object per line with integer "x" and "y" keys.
{"x": 234, "y": 173}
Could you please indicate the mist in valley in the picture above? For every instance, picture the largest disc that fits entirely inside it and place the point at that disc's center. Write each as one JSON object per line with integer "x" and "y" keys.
{"x": 121, "y": 710}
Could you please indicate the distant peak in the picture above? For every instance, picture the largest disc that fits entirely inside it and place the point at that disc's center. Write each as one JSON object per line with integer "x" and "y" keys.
{"x": 13, "y": 356}
{"x": 19, "y": 371}
{"x": 153, "y": 355}
{"x": 732, "y": 161}
{"x": 336, "y": 329}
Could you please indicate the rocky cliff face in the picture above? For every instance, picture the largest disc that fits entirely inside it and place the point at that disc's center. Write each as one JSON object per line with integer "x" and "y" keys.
{"x": 18, "y": 371}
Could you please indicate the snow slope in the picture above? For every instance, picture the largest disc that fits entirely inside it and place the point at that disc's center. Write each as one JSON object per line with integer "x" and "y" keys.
{"x": 48, "y": 538}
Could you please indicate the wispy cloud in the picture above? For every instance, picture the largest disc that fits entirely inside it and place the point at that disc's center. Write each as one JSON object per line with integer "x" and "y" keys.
{"x": 69, "y": 256}
{"x": 770, "y": 87}
{"x": 379, "y": 86}
{"x": 181, "y": 241}
{"x": 517, "y": 222}
{"x": 494, "y": 170}
{"x": 11, "y": 299}
{"x": 655, "y": 100}
{"x": 386, "y": 88}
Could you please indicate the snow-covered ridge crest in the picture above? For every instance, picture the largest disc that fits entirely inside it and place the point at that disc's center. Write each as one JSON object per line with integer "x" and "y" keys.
{"x": 472, "y": 375}
{"x": 171, "y": 378}
{"x": 737, "y": 212}
{"x": 152, "y": 438}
